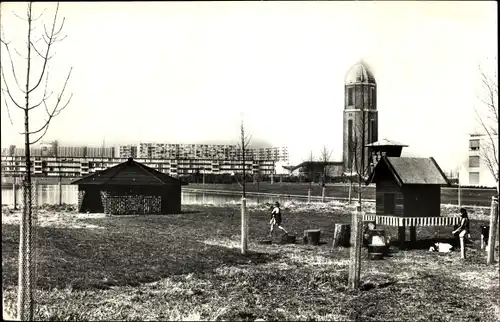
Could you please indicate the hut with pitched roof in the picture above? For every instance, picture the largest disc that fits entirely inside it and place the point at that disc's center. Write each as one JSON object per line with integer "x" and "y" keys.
{"x": 408, "y": 194}
{"x": 129, "y": 188}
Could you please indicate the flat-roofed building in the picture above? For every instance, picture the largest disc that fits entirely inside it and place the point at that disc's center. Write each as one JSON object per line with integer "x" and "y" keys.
{"x": 481, "y": 162}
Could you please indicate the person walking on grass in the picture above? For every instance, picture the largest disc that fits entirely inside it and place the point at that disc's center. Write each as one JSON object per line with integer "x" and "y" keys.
{"x": 462, "y": 231}
{"x": 276, "y": 219}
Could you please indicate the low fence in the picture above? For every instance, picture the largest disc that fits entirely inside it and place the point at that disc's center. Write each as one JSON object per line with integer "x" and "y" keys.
{"x": 412, "y": 221}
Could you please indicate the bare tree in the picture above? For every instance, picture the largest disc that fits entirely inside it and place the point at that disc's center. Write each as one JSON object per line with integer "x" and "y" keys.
{"x": 308, "y": 167}
{"x": 357, "y": 167}
{"x": 325, "y": 158}
{"x": 243, "y": 145}
{"x": 23, "y": 99}
{"x": 487, "y": 117}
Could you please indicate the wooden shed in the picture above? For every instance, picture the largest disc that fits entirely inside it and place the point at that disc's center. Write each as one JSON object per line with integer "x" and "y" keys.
{"x": 129, "y": 188}
{"x": 408, "y": 193}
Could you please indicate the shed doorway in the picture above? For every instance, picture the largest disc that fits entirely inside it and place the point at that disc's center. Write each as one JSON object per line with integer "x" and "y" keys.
{"x": 389, "y": 203}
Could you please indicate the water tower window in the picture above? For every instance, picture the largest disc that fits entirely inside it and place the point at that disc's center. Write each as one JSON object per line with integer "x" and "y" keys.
{"x": 350, "y": 92}
{"x": 374, "y": 98}
{"x": 373, "y": 132}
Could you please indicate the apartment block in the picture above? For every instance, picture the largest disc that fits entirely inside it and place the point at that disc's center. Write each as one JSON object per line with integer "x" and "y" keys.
{"x": 208, "y": 151}
{"x": 476, "y": 169}
{"x": 53, "y": 149}
{"x": 126, "y": 151}
{"x": 51, "y": 166}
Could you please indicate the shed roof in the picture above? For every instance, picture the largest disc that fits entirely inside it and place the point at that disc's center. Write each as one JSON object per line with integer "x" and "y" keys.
{"x": 308, "y": 163}
{"x": 129, "y": 173}
{"x": 408, "y": 170}
{"x": 386, "y": 142}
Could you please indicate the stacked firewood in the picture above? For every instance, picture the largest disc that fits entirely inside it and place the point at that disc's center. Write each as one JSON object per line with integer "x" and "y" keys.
{"x": 132, "y": 204}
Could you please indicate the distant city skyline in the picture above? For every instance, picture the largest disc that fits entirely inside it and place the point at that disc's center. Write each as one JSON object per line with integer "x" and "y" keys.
{"x": 254, "y": 143}
{"x": 156, "y": 150}
{"x": 188, "y": 72}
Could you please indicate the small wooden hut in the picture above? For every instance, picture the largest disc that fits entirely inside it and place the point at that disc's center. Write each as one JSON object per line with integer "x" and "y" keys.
{"x": 408, "y": 194}
{"x": 129, "y": 188}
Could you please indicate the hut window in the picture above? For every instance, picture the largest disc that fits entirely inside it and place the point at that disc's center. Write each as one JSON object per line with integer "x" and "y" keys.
{"x": 389, "y": 203}
{"x": 473, "y": 161}
{"x": 350, "y": 92}
{"x": 473, "y": 177}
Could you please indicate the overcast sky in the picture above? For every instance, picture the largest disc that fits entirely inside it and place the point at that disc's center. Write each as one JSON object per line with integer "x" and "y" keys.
{"x": 186, "y": 72}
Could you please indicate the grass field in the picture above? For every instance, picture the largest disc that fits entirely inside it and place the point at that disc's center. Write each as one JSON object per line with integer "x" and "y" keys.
{"x": 188, "y": 267}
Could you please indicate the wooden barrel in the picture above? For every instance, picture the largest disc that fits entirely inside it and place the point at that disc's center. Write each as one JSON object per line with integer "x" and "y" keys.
{"x": 312, "y": 236}
{"x": 342, "y": 235}
{"x": 288, "y": 239}
{"x": 376, "y": 252}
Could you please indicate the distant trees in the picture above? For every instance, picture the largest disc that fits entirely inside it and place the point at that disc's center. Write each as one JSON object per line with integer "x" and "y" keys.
{"x": 35, "y": 95}
{"x": 308, "y": 168}
{"x": 325, "y": 159}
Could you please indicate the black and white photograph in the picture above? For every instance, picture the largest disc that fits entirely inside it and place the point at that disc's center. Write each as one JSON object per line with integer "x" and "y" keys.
{"x": 250, "y": 161}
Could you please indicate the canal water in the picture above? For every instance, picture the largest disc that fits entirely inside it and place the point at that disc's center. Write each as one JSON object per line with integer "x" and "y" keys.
{"x": 49, "y": 194}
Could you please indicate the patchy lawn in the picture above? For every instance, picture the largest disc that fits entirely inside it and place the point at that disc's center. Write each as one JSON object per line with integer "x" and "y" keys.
{"x": 188, "y": 267}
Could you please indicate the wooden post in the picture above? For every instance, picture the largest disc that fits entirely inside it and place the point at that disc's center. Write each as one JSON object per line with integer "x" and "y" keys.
{"x": 484, "y": 236}
{"x": 309, "y": 195}
{"x": 350, "y": 190}
{"x": 493, "y": 226}
{"x": 60, "y": 192}
{"x": 355, "y": 257}
{"x": 402, "y": 234}
{"x": 15, "y": 193}
{"x": 459, "y": 192}
{"x": 368, "y": 227}
{"x": 323, "y": 194}
{"x": 244, "y": 227}
{"x": 462, "y": 247}
{"x": 413, "y": 234}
